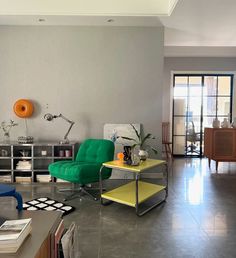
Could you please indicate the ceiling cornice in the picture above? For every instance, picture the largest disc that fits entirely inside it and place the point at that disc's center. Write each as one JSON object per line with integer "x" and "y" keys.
{"x": 88, "y": 7}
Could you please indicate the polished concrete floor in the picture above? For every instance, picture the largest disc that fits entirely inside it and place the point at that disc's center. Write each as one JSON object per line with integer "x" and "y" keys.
{"x": 198, "y": 219}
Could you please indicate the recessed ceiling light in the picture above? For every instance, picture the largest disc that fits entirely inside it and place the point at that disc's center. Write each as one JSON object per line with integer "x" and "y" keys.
{"x": 110, "y": 20}
{"x": 42, "y": 20}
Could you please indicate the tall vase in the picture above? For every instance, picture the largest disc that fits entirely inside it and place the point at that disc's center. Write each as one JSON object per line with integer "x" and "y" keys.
{"x": 128, "y": 155}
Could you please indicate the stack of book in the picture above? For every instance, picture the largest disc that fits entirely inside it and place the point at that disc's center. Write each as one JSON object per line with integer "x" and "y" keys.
{"x": 13, "y": 233}
{"x": 43, "y": 178}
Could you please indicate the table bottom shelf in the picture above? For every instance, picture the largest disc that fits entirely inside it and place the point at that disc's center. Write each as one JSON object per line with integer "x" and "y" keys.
{"x": 126, "y": 194}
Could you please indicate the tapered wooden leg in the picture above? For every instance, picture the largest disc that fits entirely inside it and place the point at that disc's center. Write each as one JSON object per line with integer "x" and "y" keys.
{"x": 209, "y": 163}
{"x": 169, "y": 148}
{"x": 166, "y": 150}
{"x": 217, "y": 163}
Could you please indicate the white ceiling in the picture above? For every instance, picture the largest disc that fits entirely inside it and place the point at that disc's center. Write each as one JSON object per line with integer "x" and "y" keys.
{"x": 195, "y": 27}
{"x": 87, "y": 7}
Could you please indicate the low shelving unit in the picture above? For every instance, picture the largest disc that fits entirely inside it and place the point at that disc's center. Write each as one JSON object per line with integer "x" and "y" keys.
{"x": 29, "y": 162}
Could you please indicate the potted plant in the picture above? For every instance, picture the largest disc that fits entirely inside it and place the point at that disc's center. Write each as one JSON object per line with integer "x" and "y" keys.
{"x": 141, "y": 142}
{"x": 6, "y": 129}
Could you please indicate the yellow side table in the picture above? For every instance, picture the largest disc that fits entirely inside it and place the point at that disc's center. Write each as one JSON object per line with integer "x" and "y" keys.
{"x": 136, "y": 192}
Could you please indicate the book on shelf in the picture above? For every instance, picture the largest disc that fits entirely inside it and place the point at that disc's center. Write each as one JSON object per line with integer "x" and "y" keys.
{"x": 57, "y": 238}
{"x": 13, "y": 234}
{"x": 23, "y": 179}
{"x": 5, "y": 178}
{"x": 43, "y": 178}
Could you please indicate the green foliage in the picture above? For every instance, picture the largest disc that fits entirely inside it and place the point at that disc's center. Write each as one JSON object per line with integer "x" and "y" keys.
{"x": 141, "y": 140}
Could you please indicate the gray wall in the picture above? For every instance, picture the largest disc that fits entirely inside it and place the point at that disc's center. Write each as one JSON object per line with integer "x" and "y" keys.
{"x": 93, "y": 75}
{"x": 194, "y": 64}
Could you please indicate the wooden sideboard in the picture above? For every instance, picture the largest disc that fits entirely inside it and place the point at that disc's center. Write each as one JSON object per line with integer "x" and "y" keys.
{"x": 220, "y": 145}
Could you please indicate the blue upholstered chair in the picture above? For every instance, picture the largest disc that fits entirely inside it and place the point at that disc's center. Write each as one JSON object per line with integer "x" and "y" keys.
{"x": 85, "y": 169}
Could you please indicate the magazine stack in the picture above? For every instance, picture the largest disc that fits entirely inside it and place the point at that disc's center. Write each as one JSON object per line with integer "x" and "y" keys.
{"x": 13, "y": 233}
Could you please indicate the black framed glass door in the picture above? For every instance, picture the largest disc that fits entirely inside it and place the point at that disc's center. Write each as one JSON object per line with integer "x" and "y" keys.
{"x": 198, "y": 99}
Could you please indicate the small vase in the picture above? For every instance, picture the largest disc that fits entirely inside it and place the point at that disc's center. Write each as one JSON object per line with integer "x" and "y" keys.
{"x": 225, "y": 123}
{"x": 216, "y": 123}
{"x": 143, "y": 155}
{"x": 6, "y": 137}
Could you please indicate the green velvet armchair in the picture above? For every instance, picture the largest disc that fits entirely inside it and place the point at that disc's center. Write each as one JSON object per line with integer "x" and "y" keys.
{"x": 85, "y": 169}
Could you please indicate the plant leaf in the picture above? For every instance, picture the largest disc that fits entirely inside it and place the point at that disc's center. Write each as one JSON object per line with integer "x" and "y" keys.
{"x": 138, "y": 135}
{"x": 154, "y": 150}
{"x": 126, "y": 138}
{"x": 148, "y": 136}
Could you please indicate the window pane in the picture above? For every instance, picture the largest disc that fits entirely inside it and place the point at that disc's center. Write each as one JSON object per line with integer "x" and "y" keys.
{"x": 179, "y": 126}
{"x": 180, "y": 106}
{"x": 210, "y": 85}
{"x": 195, "y": 86}
{"x": 181, "y": 86}
{"x": 209, "y": 106}
{"x": 223, "y": 106}
{"x": 194, "y": 106}
{"x": 196, "y": 124}
{"x": 207, "y": 122}
{"x": 224, "y": 85}
{"x": 179, "y": 145}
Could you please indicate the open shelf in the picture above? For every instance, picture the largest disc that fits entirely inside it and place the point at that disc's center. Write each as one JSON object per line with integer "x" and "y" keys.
{"x": 39, "y": 155}
{"x": 126, "y": 194}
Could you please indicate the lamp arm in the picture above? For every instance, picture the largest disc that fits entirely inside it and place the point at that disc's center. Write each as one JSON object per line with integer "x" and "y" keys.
{"x": 65, "y": 137}
{"x": 63, "y": 117}
{"x": 68, "y": 131}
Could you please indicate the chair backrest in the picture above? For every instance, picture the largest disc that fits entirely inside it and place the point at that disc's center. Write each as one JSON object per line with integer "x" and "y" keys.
{"x": 96, "y": 151}
{"x": 192, "y": 136}
{"x": 165, "y": 132}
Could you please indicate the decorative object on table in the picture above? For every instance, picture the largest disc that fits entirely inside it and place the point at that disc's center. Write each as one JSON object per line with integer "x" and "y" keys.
{"x": 50, "y": 117}
{"x": 143, "y": 155}
{"x": 127, "y": 155}
{"x": 24, "y": 108}
{"x": 6, "y": 127}
{"x": 234, "y": 123}
{"x": 25, "y": 139}
{"x": 225, "y": 123}
{"x": 140, "y": 140}
{"x": 47, "y": 204}
{"x": 216, "y": 123}
{"x": 120, "y": 156}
